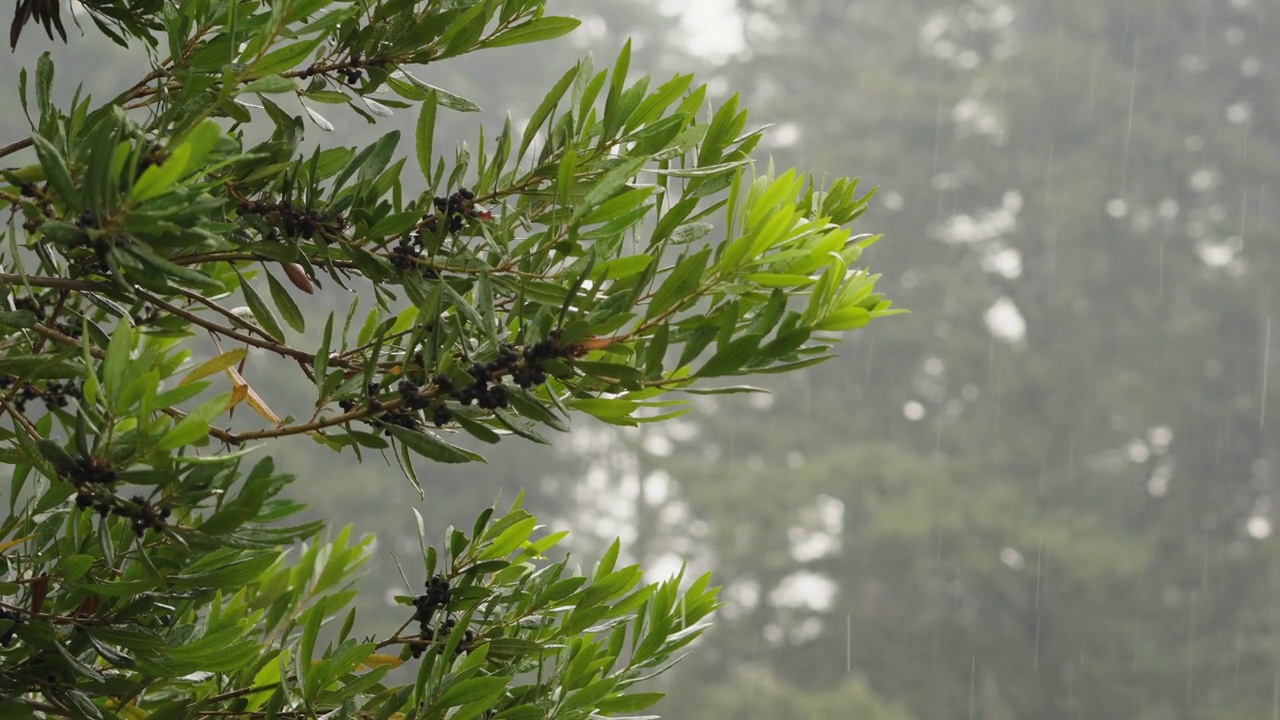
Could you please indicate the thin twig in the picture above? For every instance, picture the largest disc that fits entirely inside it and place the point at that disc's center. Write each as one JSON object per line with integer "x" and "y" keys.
{"x": 234, "y": 334}
{"x": 51, "y": 282}
{"x": 14, "y": 147}
{"x": 21, "y": 419}
{"x": 197, "y": 297}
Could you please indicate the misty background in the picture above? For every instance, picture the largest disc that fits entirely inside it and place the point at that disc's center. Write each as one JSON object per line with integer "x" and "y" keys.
{"x": 1049, "y": 492}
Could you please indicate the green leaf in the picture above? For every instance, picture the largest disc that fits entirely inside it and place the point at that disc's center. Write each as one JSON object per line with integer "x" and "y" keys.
{"x": 39, "y": 367}
{"x": 474, "y": 690}
{"x": 73, "y": 567}
{"x": 261, "y": 311}
{"x": 55, "y": 170}
{"x": 621, "y": 267}
{"x": 194, "y": 426}
{"x": 537, "y": 30}
{"x": 110, "y": 654}
{"x": 272, "y": 84}
{"x": 179, "y": 394}
{"x": 306, "y": 646}
{"x": 621, "y": 205}
{"x": 605, "y": 408}
{"x": 285, "y": 58}
{"x": 18, "y": 319}
{"x": 230, "y": 576}
{"x": 510, "y": 539}
{"x": 522, "y": 712}
{"x": 844, "y": 319}
{"x": 214, "y": 366}
{"x": 544, "y": 110}
{"x": 610, "y": 183}
{"x": 116, "y": 361}
{"x": 202, "y": 138}
{"x": 158, "y": 179}
{"x": 451, "y": 101}
{"x": 44, "y": 84}
{"x": 691, "y": 232}
{"x": 680, "y": 283}
{"x": 727, "y": 390}
{"x": 702, "y": 171}
{"x": 628, "y": 703}
{"x": 731, "y": 357}
{"x": 285, "y": 304}
{"x": 425, "y": 134}
{"x": 169, "y": 270}
{"x": 430, "y": 446}
{"x": 321, "y": 366}
{"x": 321, "y": 121}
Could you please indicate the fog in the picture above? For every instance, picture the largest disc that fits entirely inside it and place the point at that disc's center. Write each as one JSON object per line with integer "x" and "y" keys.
{"x": 1049, "y": 492}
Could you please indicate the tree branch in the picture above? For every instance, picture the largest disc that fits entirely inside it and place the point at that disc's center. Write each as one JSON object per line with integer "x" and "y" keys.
{"x": 225, "y": 331}
{"x": 51, "y": 282}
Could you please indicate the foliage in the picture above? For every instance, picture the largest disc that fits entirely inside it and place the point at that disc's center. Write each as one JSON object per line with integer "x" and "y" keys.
{"x": 145, "y": 568}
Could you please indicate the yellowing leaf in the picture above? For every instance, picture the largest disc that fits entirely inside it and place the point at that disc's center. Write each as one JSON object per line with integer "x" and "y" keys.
{"x": 14, "y": 543}
{"x": 252, "y": 397}
{"x": 214, "y": 366}
{"x": 238, "y": 393}
{"x": 380, "y": 659}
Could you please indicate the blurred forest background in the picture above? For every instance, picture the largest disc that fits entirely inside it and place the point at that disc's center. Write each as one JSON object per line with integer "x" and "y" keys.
{"x": 1050, "y": 492}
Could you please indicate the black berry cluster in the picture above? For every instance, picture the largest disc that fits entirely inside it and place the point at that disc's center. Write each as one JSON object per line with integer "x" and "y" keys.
{"x": 294, "y": 221}
{"x": 6, "y": 636}
{"x": 140, "y": 511}
{"x": 155, "y": 156}
{"x": 31, "y": 224}
{"x": 481, "y": 392}
{"x": 458, "y": 208}
{"x": 89, "y": 471}
{"x": 525, "y": 369}
{"x": 486, "y": 390}
{"x": 41, "y": 307}
{"x": 412, "y": 395}
{"x": 414, "y": 399}
{"x": 529, "y": 372}
{"x": 147, "y": 516}
{"x": 89, "y": 475}
{"x": 400, "y": 417}
{"x": 55, "y": 393}
{"x": 436, "y": 598}
{"x": 406, "y": 256}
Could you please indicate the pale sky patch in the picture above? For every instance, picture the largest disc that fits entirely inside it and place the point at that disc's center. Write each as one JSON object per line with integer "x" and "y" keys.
{"x": 712, "y": 28}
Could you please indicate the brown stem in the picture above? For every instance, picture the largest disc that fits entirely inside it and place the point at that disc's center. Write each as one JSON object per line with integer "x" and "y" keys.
{"x": 197, "y": 297}
{"x": 14, "y": 147}
{"x": 227, "y": 332}
{"x": 52, "y": 319}
{"x": 357, "y": 414}
{"x": 58, "y": 336}
{"x": 50, "y": 282}
{"x": 395, "y": 637}
{"x": 21, "y": 420}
